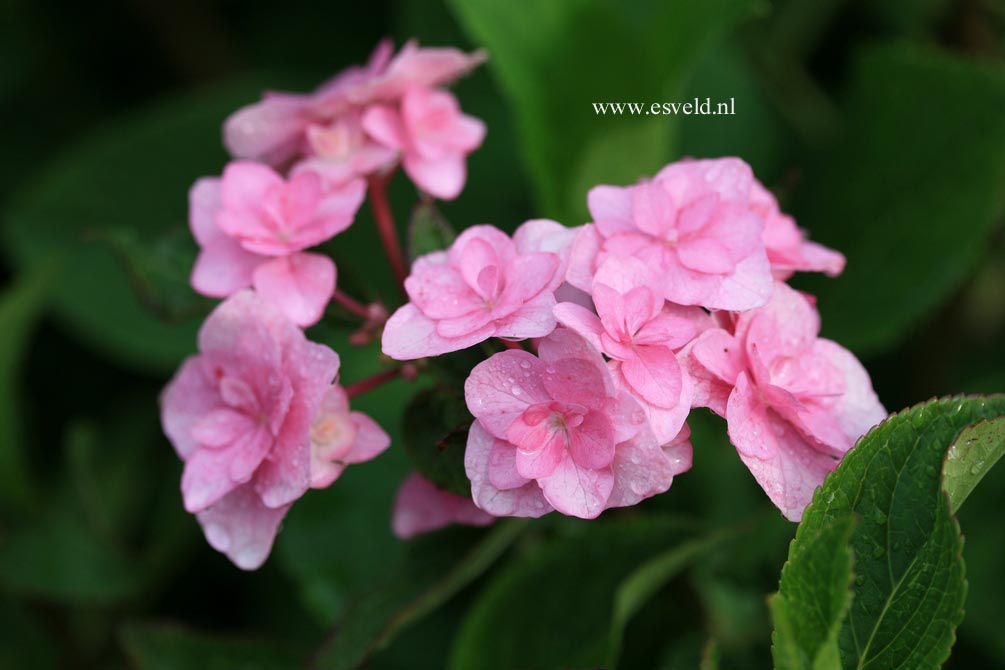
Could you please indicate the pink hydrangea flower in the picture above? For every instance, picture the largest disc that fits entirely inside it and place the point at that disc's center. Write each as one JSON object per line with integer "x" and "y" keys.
{"x": 341, "y": 150}
{"x": 275, "y": 130}
{"x": 788, "y": 249}
{"x": 794, "y": 403}
{"x": 639, "y": 331}
{"x": 433, "y": 136}
{"x": 554, "y": 432}
{"x": 252, "y": 227}
{"x": 692, "y": 224}
{"x": 486, "y": 285}
{"x": 239, "y": 414}
{"x": 420, "y": 507}
{"x": 340, "y": 437}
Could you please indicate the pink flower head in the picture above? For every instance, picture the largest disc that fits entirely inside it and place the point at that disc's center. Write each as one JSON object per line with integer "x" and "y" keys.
{"x": 420, "y": 507}
{"x": 794, "y": 403}
{"x": 554, "y": 432}
{"x": 433, "y": 136}
{"x": 692, "y": 224}
{"x": 639, "y": 331}
{"x": 253, "y": 226}
{"x": 275, "y": 130}
{"x": 788, "y": 249}
{"x": 239, "y": 414}
{"x": 486, "y": 285}
{"x": 340, "y": 437}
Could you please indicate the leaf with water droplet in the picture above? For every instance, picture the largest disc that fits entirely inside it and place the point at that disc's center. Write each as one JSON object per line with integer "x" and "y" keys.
{"x": 909, "y": 588}
{"x": 974, "y": 452}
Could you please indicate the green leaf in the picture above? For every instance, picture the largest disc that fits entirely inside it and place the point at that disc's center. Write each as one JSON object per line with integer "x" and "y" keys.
{"x": 430, "y": 575}
{"x": 126, "y": 179}
{"x": 813, "y": 599}
{"x": 427, "y": 230}
{"x": 552, "y": 607}
{"x": 909, "y": 583}
{"x": 646, "y": 581}
{"x": 170, "y": 647}
{"x": 554, "y": 58}
{"x": 20, "y": 307}
{"x": 438, "y": 421}
{"x": 973, "y": 453}
{"x": 910, "y": 197}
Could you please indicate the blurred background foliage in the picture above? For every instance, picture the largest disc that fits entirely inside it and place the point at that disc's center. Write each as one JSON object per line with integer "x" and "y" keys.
{"x": 879, "y": 123}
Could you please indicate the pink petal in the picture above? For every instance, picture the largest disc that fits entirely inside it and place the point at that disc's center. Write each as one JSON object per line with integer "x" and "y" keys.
{"x": 534, "y": 318}
{"x": 654, "y": 374}
{"x": 544, "y": 235}
{"x": 502, "y": 470}
{"x": 243, "y": 188}
{"x": 526, "y": 500}
{"x": 420, "y": 507}
{"x": 204, "y": 202}
{"x": 641, "y": 470}
{"x": 579, "y": 381}
{"x": 439, "y": 290}
{"x": 383, "y": 124}
{"x": 499, "y": 389}
{"x": 705, "y": 255}
{"x": 185, "y": 400}
{"x": 220, "y": 427}
{"x": 782, "y": 462}
{"x": 858, "y": 409}
{"x": 787, "y": 326}
{"x": 211, "y": 474}
{"x": 549, "y": 448}
{"x": 577, "y": 491}
{"x": 409, "y": 335}
{"x": 300, "y": 285}
{"x": 672, "y": 328}
{"x": 591, "y": 443}
{"x": 270, "y": 131}
{"x": 583, "y": 321}
{"x": 653, "y": 209}
{"x": 335, "y": 212}
{"x": 442, "y": 178}
{"x": 583, "y": 258}
{"x": 241, "y": 527}
{"x": 611, "y": 209}
{"x": 526, "y": 276}
{"x": 371, "y": 440}
{"x": 223, "y": 267}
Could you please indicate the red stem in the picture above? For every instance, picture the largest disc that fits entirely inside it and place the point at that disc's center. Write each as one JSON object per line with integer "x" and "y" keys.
{"x": 385, "y": 227}
{"x": 351, "y": 304}
{"x": 370, "y": 383}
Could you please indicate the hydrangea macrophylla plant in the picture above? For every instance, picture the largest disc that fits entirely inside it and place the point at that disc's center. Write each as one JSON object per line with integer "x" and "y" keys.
{"x": 562, "y": 424}
{"x": 364, "y": 119}
{"x": 693, "y": 224}
{"x": 589, "y": 346}
{"x": 239, "y": 414}
{"x": 794, "y": 403}
{"x": 639, "y": 332}
{"x": 486, "y": 285}
{"x": 253, "y": 227}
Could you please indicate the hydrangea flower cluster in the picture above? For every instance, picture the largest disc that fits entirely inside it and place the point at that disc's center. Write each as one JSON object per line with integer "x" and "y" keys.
{"x": 682, "y": 306}
{"x": 595, "y": 342}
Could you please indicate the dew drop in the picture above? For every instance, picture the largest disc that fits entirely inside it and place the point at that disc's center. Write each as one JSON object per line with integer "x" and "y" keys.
{"x": 860, "y": 580}
{"x": 919, "y": 419}
{"x": 525, "y": 365}
{"x": 879, "y": 516}
{"x": 878, "y": 552}
{"x": 516, "y": 390}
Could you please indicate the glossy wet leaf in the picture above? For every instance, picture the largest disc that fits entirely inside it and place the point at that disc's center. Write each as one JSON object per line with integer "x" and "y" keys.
{"x": 909, "y": 586}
